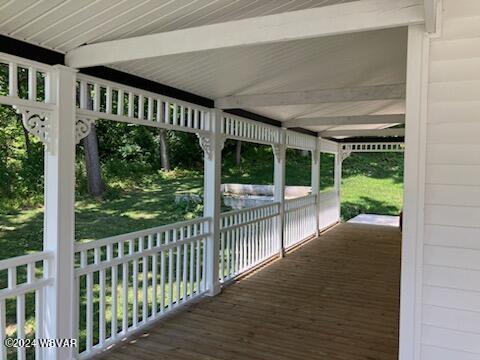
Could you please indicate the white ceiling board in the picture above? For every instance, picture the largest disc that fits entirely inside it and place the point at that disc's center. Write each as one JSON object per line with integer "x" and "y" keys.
{"x": 66, "y": 24}
{"x": 361, "y": 59}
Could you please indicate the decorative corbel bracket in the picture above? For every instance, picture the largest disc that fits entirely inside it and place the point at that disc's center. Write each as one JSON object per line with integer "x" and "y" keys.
{"x": 206, "y": 143}
{"x": 345, "y": 154}
{"x": 37, "y": 122}
{"x": 278, "y": 151}
{"x": 83, "y": 126}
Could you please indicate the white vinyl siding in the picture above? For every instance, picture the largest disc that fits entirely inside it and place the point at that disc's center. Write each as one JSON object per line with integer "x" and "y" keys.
{"x": 451, "y": 270}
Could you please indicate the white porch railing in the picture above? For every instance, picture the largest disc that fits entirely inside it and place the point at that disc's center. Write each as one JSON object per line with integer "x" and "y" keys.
{"x": 239, "y": 128}
{"x": 125, "y": 281}
{"x": 247, "y": 238}
{"x": 98, "y": 98}
{"x": 26, "y": 276}
{"x": 300, "y": 222}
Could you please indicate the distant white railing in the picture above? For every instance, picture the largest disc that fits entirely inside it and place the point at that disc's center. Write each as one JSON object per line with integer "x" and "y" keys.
{"x": 300, "y": 222}
{"x": 144, "y": 274}
{"x": 23, "y": 278}
{"x": 98, "y": 98}
{"x": 247, "y": 238}
{"x": 374, "y": 147}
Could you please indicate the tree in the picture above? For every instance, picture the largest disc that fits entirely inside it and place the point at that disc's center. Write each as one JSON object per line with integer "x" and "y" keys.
{"x": 95, "y": 184}
{"x": 164, "y": 150}
{"x": 26, "y": 137}
{"x": 238, "y": 153}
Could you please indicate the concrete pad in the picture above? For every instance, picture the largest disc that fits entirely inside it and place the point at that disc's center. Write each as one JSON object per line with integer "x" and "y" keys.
{"x": 373, "y": 219}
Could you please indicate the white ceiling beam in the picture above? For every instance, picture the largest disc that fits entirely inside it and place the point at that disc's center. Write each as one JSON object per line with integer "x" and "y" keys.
{"x": 366, "y": 93}
{"x": 310, "y": 23}
{"x": 430, "y": 9}
{"x": 345, "y": 120}
{"x": 379, "y": 132}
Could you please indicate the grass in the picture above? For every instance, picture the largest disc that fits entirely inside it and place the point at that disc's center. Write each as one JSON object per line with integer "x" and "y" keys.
{"x": 372, "y": 183}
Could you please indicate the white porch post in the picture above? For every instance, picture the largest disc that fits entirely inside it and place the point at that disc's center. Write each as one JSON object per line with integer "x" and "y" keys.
{"x": 414, "y": 194}
{"x": 316, "y": 183}
{"x": 59, "y": 224}
{"x": 338, "y": 179}
{"x": 212, "y": 145}
{"x": 279, "y": 151}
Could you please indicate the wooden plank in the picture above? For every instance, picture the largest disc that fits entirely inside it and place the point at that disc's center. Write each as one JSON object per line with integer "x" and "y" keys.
{"x": 310, "y": 305}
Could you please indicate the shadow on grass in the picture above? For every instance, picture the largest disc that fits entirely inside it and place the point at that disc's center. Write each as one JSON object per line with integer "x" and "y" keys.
{"x": 367, "y": 205}
{"x": 374, "y": 165}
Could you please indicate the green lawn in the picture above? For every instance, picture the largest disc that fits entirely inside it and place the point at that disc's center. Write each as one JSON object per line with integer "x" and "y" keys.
{"x": 372, "y": 183}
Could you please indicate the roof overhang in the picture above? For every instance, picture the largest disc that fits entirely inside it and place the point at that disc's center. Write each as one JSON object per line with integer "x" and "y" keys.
{"x": 345, "y": 64}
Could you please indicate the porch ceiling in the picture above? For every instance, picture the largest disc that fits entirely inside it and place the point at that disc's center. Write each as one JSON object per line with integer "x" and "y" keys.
{"x": 351, "y": 60}
{"x": 63, "y": 25}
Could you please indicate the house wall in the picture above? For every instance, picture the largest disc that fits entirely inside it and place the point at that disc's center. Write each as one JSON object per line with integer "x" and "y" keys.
{"x": 451, "y": 259}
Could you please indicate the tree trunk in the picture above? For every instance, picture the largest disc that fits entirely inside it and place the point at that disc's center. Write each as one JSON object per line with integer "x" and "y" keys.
{"x": 28, "y": 148}
{"x": 238, "y": 153}
{"x": 164, "y": 152}
{"x": 95, "y": 184}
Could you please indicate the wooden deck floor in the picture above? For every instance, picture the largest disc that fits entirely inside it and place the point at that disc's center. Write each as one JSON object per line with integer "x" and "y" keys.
{"x": 337, "y": 297}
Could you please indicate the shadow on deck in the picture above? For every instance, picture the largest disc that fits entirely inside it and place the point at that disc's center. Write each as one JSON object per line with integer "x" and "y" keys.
{"x": 337, "y": 297}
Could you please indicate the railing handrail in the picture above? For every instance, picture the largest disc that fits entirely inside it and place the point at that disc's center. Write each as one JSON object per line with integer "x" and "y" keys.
{"x": 250, "y": 222}
{"x": 25, "y": 288}
{"x": 132, "y": 235}
{"x": 305, "y": 197}
{"x": 25, "y": 259}
{"x": 89, "y": 268}
{"x": 241, "y": 211}
{"x": 136, "y": 90}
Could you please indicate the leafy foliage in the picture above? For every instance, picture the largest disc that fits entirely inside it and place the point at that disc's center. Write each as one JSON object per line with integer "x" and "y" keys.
{"x": 21, "y": 164}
